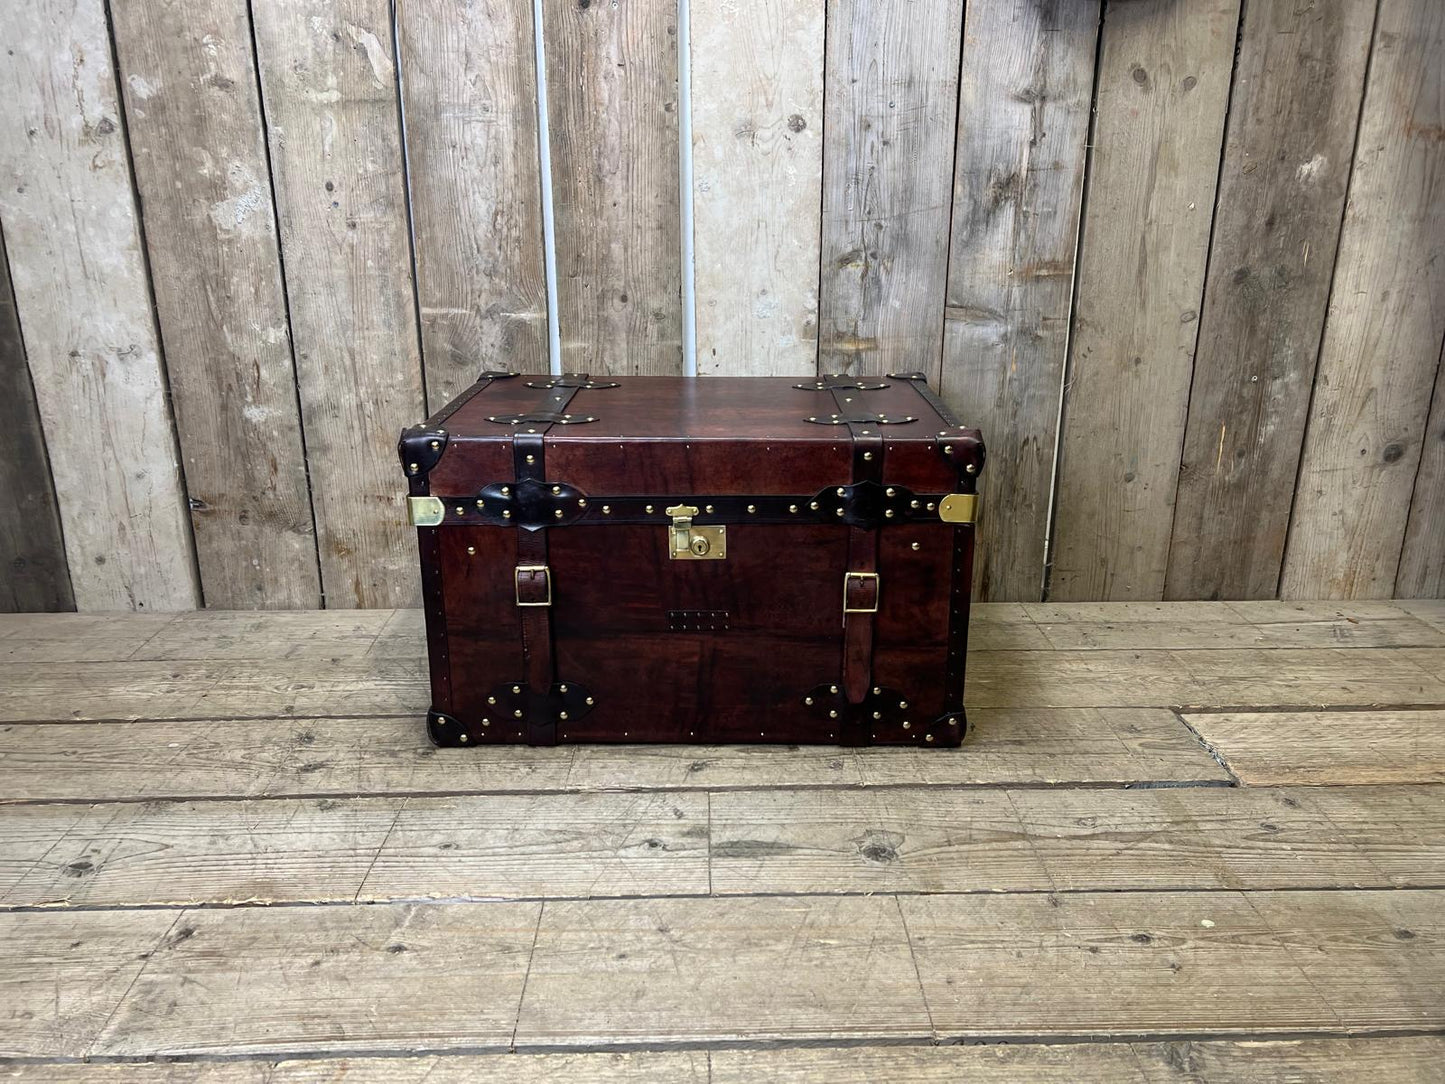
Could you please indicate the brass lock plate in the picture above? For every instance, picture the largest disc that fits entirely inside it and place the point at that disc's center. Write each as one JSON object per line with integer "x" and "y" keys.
{"x": 688, "y": 542}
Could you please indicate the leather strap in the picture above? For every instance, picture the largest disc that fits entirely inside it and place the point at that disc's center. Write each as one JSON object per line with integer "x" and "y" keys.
{"x": 533, "y": 577}
{"x": 862, "y": 589}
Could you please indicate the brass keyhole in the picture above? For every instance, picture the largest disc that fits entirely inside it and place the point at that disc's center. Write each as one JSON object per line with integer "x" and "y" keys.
{"x": 699, "y": 545}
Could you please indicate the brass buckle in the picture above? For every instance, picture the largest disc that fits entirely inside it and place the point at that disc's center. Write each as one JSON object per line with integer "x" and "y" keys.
{"x": 877, "y": 592}
{"x": 517, "y": 583}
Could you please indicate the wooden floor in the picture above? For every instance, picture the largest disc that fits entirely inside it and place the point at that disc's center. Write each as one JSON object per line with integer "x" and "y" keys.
{"x": 1191, "y": 841}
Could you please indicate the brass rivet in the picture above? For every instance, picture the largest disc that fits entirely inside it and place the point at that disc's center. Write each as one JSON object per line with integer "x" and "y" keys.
{"x": 506, "y": 490}
{"x": 792, "y": 508}
{"x": 907, "y": 725}
{"x": 877, "y": 715}
{"x": 903, "y": 703}
{"x": 838, "y": 512}
{"x": 888, "y": 513}
{"x": 486, "y": 722}
{"x": 912, "y": 504}
{"x": 953, "y": 722}
{"x": 813, "y": 505}
{"x": 472, "y": 550}
{"x": 808, "y": 700}
{"x": 461, "y": 511}
{"x": 506, "y": 513}
{"x": 867, "y": 455}
{"x": 516, "y": 688}
{"x": 531, "y": 459}
{"x": 581, "y": 502}
{"x": 562, "y": 715}
{"x": 928, "y": 737}
{"x": 558, "y": 513}
{"x": 833, "y": 714}
{"x": 971, "y": 468}
{"x": 839, "y": 491}
{"x": 891, "y": 491}
{"x": 833, "y": 689}
{"x": 915, "y": 546}
{"x": 561, "y": 688}
{"x": 518, "y": 713}
{"x": 930, "y": 506}
{"x": 648, "y": 509}
{"x": 491, "y": 700}
{"x": 413, "y": 467}
{"x": 708, "y": 508}
{"x": 752, "y": 508}
{"x": 463, "y": 739}
{"x": 607, "y": 509}
{"x": 481, "y": 503}
{"x": 556, "y": 489}
{"x": 589, "y": 700}
{"x": 436, "y": 444}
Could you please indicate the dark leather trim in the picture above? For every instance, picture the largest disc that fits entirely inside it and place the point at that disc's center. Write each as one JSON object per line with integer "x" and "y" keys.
{"x": 965, "y": 449}
{"x": 445, "y": 730}
{"x": 421, "y": 446}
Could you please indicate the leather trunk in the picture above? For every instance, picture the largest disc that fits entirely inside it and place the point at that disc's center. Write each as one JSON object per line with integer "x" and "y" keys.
{"x": 714, "y": 560}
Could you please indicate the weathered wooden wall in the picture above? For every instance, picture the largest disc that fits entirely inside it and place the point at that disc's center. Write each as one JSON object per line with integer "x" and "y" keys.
{"x": 1182, "y": 260}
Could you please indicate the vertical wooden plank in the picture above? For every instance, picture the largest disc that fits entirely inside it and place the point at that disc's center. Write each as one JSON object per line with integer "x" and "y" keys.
{"x": 1164, "y": 79}
{"x": 199, "y": 154}
{"x": 1422, "y": 561}
{"x": 1026, "y": 84}
{"x": 757, "y": 93}
{"x": 1297, "y": 88}
{"x": 33, "y": 573}
{"x": 469, "y": 86}
{"x": 890, "y": 103}
{"x": 1386, "y": 319}
{"x": 80, "y": 284}
{"x": 612, "y": 110}
{"x": 330, "y": 96}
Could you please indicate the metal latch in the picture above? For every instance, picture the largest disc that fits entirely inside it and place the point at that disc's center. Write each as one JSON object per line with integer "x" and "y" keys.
{"x": 691, "y": 543}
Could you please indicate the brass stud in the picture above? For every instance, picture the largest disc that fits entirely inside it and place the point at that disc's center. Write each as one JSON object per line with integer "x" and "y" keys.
{"x": 931, "y": 506}
{"x": 517, "y": 714}
{"x": 590, "y": 700}
{"x": 648, "y": 509}
{"x": 581, "y": 502}
{"x": 948, "y": 449}
{"x": 558, "y": 513}
{"x": 808, "y": 700}
{"x": 752, "y": 508}
{"x": 531, "y": 459}
{"x": 491, "y": 700}
{"x": 506, "y": 513}
{"x": 481, "y": 503}
{"x": 912, "y": 504}
{"x": 555, "y": 489}
{"x": 833, "y": 689}
{"x": 561, "y": 688}
{"x": 877, "y": 715}
{"x": 838, "y": 511}
{"x": 813, "y": 505}
{"x": 877, "y": 691}
{"x": 890, "y": 491}
{"x": 971, "y": 468}
{"x": 516, "y": 688}
{"x": 506, "y": 490}
{"x": 708, "y": 508}
{"x": 888, "y": 513}
{"x": 793, "y": 508}
{"x": 833, "y": 714}
{"x": 472, "y": 550}
{"x": 903, "y": 703}
{"x": 463, "y": 739}
{"x": 907, "y": 725}
{"x": 953, "y": 722}
{"x": 928, "y": 737}
{"x": 413, "y": 467}
{"x": 915, "y": 546}
{"x": 436, "y": 444}
{"x": 562, "y": 715}
{"x": 867, "y": 455}
{"x": 486, "y": 722}
{"x": 607, "y": 509}
{"x": 461, "y": 511}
